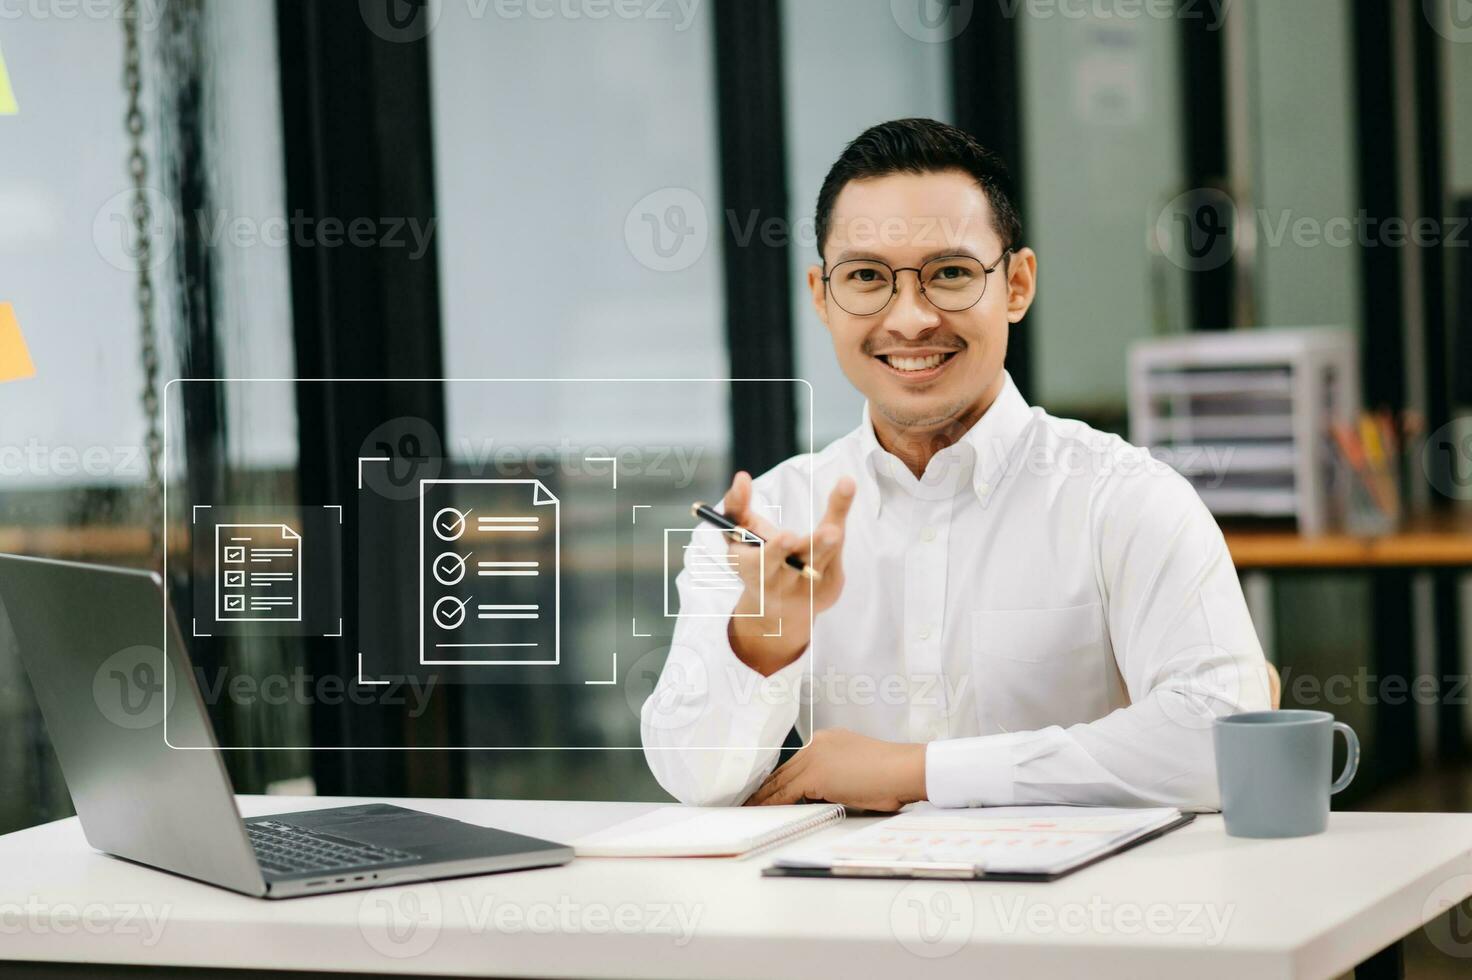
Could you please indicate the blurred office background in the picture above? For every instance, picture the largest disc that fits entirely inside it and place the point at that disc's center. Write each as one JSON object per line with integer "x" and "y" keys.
{"x": 626, "y": 190}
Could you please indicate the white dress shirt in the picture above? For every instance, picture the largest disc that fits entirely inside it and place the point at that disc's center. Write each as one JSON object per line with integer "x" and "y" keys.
{"x": 1052, "y": 610}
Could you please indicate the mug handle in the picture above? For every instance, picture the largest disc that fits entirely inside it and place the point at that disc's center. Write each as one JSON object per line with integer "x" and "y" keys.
{"x": 1352, "y": 759}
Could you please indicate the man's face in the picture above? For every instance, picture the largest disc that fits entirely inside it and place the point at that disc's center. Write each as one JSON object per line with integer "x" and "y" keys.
{"x": 919, "y": 366}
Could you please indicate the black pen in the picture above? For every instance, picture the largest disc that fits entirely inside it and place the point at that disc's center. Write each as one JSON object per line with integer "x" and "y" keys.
{"x": 710, "y": 515}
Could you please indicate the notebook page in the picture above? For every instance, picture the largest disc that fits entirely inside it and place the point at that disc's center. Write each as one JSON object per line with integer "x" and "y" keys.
{"x": 688, "y": 831}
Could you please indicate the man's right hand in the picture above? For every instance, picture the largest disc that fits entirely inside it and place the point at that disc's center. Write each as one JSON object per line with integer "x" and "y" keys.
{"x": 768, "y": 636}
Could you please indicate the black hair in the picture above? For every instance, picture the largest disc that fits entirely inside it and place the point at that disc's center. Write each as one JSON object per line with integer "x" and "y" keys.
{"x": 920, "y": 146}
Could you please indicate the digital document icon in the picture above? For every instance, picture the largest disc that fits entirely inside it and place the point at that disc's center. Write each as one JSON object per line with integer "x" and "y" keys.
{"x": 258, "y": 573}
{"x": 489, "y": 572}
{"x": 702, "y": 554}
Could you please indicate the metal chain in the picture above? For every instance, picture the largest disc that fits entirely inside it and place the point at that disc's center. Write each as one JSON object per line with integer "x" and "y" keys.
{"x": 143, "y": 255}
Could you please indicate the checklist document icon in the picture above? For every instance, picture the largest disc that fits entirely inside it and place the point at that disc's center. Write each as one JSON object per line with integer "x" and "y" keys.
{"x": 489, "y": 572}
{"x": 258, "y": 573}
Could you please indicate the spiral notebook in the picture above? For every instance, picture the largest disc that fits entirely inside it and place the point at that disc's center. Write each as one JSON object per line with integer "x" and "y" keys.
{"x": 707, "y": 831}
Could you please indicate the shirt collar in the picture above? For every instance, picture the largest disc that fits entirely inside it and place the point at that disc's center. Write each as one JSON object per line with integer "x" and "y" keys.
{"x": 989, "y": 443}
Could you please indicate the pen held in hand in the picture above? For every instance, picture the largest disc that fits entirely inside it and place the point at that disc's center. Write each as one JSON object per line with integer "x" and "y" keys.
{"x": 710, "y": 515}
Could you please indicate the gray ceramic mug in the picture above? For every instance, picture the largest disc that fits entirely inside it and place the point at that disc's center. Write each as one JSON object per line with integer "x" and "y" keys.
{"x": 1273, "y": 771}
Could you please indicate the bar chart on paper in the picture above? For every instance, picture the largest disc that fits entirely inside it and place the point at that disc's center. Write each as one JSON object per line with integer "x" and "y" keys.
{"x": 489, "y": 573}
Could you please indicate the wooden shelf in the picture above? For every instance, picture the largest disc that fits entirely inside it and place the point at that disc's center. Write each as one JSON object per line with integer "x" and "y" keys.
{"x": 1442, "y": 540}
{"x": 127, "y": 545}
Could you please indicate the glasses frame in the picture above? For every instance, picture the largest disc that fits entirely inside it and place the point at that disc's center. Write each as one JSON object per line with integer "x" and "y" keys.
{"x": 894, "y": 283}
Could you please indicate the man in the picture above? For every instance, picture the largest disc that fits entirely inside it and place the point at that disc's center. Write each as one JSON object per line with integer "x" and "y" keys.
{"x": 1012, "y": 608}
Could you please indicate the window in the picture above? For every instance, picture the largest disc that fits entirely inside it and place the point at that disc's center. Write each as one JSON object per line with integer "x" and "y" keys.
{"x": 579, "y": 236}
{"x": 848, "y": 66}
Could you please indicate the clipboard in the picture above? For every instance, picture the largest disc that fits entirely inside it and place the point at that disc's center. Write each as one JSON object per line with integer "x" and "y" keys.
{"x": 955, "y": 871}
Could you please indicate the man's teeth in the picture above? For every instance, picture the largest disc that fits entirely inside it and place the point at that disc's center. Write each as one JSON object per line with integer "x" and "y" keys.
{"x": 915, "y": 363}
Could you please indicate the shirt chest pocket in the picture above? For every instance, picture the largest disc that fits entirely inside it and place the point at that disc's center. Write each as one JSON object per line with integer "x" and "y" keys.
{"x": 1038, "y": 667}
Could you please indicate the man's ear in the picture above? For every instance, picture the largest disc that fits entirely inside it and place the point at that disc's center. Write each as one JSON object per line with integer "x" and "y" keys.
{"x": 1022, "y": 283}
{"x": 820, "y": 292}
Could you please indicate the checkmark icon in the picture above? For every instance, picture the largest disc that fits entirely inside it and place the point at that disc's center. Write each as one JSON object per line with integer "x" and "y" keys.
{"x": 449, "y": 568}
{"x": 449, "y": 523}
{"x": 449, "y": 612}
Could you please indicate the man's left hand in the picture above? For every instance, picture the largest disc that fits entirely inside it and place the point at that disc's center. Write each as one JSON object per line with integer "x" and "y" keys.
{"x": 840, "y": 766}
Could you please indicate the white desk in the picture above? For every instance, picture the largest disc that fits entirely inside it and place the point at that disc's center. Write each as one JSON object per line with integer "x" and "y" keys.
{"x": 1313, "y": 907}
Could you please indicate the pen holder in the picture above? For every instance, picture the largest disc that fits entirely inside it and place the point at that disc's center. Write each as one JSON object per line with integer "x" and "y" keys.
{"x": 1368, "y": 513}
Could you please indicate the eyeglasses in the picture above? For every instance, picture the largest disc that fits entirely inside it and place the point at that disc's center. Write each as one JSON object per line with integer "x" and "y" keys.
{"x": 952, "y": 283}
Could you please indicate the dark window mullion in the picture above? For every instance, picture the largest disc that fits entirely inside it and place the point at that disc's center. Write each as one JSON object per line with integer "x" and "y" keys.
{"x": 1204, "y": 124}
{"x": 753, "y": 165}
{"x": 356, "y": 118}
{"x": 987, "y": 102}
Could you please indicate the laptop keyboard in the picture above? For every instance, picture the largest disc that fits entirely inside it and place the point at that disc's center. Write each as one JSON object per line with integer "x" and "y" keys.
{"x": 284, "y": 848}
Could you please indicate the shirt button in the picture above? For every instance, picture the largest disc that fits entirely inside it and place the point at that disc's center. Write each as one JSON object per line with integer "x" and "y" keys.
{"x": 984, "y": 488}
{"x": 927, "y": 534}
{"x": 925, "y": 632}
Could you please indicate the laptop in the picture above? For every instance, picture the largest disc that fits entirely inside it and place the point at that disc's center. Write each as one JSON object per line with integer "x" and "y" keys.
{"x": 89, "y": 638}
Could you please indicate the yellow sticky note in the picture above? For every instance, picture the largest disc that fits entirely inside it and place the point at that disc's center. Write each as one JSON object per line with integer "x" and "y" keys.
{"x": 8, "y": 106}
{"x": 15, "y": 360}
